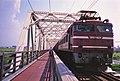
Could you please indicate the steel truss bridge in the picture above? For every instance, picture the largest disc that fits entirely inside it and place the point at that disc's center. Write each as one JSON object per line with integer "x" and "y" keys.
{"x": 32, "y": 60}
{"x": 42, "y": 30}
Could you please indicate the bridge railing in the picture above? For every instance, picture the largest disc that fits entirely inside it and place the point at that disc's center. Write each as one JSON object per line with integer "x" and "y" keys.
{"x": 10, "y": 62}
{"x": 56, "y": 70}
{"x": 62, "y": 71}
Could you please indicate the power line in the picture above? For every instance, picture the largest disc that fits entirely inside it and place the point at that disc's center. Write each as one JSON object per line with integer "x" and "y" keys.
{"x": 83, "y": 4}
{"x": 30, "y": 5}
{"x": 92, "y": 4}
{"x": 49, "y": 6}
{"x": 72, "y": 5}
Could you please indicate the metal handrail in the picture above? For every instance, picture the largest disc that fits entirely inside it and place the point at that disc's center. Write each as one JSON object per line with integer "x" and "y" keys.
{"x": 62, "y": 71}
{"x": 11, "y": 66}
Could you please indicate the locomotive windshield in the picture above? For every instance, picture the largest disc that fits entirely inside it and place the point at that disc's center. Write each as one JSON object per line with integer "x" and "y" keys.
{"x": 104, "y": 28}
{"x": 84, "y": 27}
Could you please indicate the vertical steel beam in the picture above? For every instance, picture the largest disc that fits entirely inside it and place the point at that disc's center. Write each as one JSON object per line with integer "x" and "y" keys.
{"x": 39, "y": 43}
{"x": 22, "y": 60}
{"x": 28, "y": 44}
{"x": 35, "y": 38}
{"x": 43, "y": 42}
{"x": 14, "y": 62}
{"x": 28, "y": 39}
{"x": 1, "y": 65}
{"x": 32, "y": 38}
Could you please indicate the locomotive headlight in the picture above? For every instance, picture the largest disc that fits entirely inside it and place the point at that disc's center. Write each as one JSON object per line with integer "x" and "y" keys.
{"x": 79, "y": 55}
{"x": 75, "y": 46}
{"x": 97, "y": 57}
{"x": 106, "y": 21}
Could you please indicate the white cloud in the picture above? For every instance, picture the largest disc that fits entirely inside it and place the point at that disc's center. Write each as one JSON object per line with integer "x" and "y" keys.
{"x": 17, "y": 5}
{"x": 16, "y": 10}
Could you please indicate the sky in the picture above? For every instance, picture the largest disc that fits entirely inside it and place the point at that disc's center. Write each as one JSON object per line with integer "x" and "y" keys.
{"x": 13, "y": 14}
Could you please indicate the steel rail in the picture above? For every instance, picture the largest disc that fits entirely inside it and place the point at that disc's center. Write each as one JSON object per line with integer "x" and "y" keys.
{"x": 96, "y": 78}
{"x": 109, "y": 77}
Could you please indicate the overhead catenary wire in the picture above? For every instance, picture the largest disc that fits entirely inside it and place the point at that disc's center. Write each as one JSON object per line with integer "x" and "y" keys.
{"x": 49, "y": 6}
{"x": 30, "y": 5}
{"x": 72, "y": 5}
{"x": 83, "y": 4}
{"x": 34, "y": 17}
{"x": 92, "y": 4}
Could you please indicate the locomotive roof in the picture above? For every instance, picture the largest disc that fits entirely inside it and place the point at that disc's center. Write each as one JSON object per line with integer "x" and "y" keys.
{"x": 86, "y": 11}
{"x": 90, "y": 21}
{"x": 89, "y": 15}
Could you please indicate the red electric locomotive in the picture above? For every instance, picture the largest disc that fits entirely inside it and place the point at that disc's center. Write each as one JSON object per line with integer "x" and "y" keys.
{"x": 89, "y": 42}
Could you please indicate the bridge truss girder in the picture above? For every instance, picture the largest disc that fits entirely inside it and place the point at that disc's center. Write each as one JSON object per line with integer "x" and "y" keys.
{"x": 47, "y": 28}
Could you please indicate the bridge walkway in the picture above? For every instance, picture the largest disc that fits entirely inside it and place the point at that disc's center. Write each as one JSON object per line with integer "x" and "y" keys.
{"x": 33, "y": 72}
{"x": 47, "y": 67}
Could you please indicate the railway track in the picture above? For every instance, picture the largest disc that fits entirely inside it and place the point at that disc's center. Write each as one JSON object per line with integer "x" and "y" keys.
{"x": 83, "y": 75}
{"x": 103, "y": 76}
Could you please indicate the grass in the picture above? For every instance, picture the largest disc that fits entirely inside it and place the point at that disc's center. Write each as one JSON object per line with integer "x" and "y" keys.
{"x": 7, "y": 49}
{"x": 116, "y": 67}
{"x": 7, "y": 55}
{"x": 116, "y": 56}
{"x": 5, "y": 61}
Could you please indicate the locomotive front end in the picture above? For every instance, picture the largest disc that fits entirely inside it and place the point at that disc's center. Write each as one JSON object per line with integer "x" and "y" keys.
{"x": 88, "y": 42}
{"x": 92, "y": 43}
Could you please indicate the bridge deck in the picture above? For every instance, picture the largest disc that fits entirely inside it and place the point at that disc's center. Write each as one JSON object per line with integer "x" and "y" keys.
{"x": 34, "y": 72}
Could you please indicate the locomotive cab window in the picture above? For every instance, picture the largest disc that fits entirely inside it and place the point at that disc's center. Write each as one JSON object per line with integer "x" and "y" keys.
{"x": 104, "y": 28}
{"x": 84, "y": 28}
